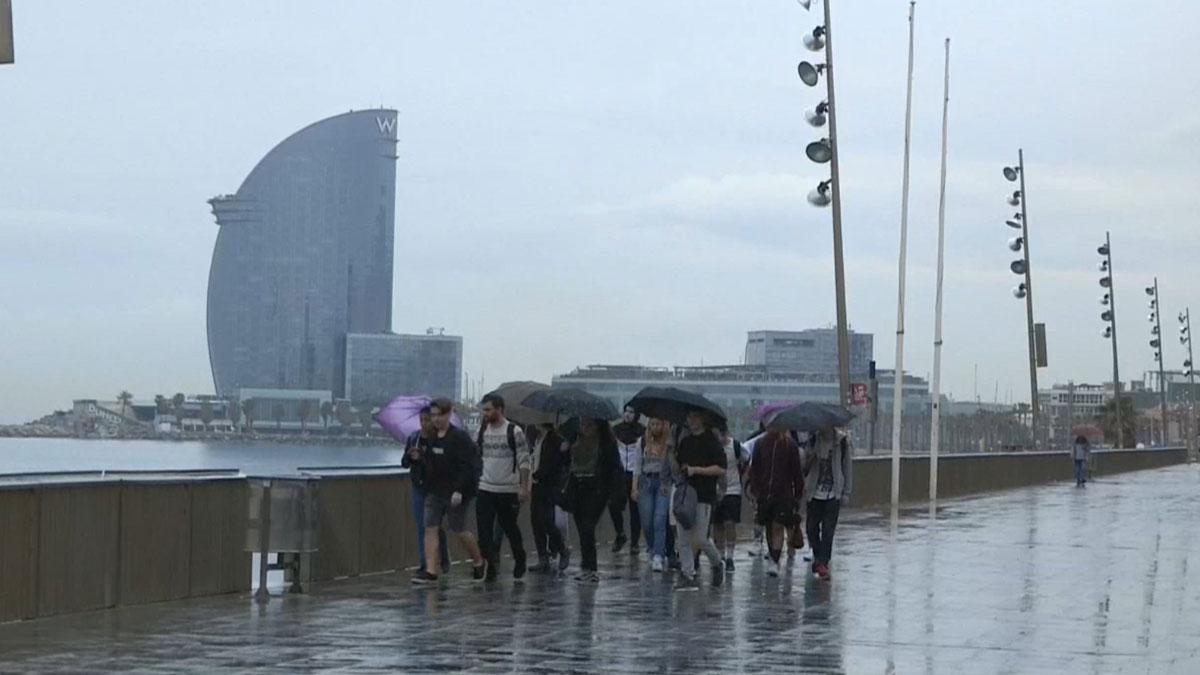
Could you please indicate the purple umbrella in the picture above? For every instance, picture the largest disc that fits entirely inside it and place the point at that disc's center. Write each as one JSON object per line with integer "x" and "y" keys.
{"x": 402, "y": 416}
{"x": 768, "y": 409}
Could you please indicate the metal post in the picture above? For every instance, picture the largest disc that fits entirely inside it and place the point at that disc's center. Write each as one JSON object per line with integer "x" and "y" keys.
{"x": 264, "y": 543}
{"x": 1112, "y": 304}
{"x": 839, "y": 273}
{"x": 1034, "y": 407}
{"x": 874, "y": 385}
{"x": 1162, "y": 378}
{"x": 898, "y": 380}
{"x": 935, "y": 430}
{"x": 1190, "y": 427}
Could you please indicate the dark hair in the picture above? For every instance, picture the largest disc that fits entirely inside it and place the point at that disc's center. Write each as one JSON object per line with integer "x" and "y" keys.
{"x": 442, "y": 404}
{"x": 495, "y": 399}
{"x": 425, "y": 410}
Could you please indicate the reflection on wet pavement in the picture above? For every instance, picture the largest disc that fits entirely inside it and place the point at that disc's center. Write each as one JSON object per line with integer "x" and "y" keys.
{"x": 1053, "y": 579}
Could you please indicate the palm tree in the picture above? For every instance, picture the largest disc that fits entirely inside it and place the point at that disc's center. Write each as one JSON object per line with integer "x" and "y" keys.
{"x": 206, "y": 413}
{"x": 277, "y": 415}
{"x": 160, "y": 402}
{"x": 326, "y": 413}
{"x": 235, "y": 412}
{"x": 248, "y": 413}
{"x": 306, "y": 411}
{"x": 345, "y": 415}
{"x": 177, "y": 404}
{"x": 124, "y": 398}
{"x": 1108, "y": 421}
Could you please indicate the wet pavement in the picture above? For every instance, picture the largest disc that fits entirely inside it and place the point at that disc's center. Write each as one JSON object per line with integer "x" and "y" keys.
{"x": 1046, "y": 579}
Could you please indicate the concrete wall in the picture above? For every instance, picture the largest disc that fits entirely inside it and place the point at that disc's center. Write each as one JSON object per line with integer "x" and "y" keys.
{"x": 73, "y": 547}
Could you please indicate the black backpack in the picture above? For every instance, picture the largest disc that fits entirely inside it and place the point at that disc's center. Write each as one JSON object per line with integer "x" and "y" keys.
{"x": 512, "y": 441}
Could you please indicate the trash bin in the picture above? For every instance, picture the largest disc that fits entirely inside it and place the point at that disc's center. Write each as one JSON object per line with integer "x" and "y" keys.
{"x": 283, "y": 519}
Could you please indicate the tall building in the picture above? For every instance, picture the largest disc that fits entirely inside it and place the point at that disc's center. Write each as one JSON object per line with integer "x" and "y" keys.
{"x": 304, "y": 256}
{"x": 381, "y": 366}
{"x": 807, "y": 351}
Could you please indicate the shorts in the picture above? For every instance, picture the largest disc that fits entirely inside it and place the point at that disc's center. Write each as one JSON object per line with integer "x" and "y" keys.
{"x": 438, "y": 508}
{"x": 728, "y": 510}
{"x": 779, "y": 512}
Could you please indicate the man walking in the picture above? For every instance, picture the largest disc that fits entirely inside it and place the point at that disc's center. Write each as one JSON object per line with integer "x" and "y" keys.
{"x": 503, "y": 486}
{"x": 1081, "y": 450}
{"x": 629, "y": 434}
{"x": 777, "y": 482}
{"x": 828, "y": 478}
{"x": 452, "y": 467}
{"x": 415, "y": 448}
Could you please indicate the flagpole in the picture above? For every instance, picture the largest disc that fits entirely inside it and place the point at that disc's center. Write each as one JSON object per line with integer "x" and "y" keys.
{"x": 935, "y": 430}
{"x": 898, "y": 378}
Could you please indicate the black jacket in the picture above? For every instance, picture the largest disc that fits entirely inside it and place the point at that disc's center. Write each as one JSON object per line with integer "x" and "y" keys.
{"x": 453, "y": 463}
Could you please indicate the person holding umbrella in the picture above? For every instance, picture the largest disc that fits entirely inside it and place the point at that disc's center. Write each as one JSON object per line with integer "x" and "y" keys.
{"x": 549, "y": 467}
{"x": 777, "y": 482}
{"x": 699, "y": 464}
{"x": 594, "y": 468}
{"x": 828, "y": 478}
{"x": 651, "y": 490}
{"x": 415, "y": 448}
{"x": 628, "y": 433}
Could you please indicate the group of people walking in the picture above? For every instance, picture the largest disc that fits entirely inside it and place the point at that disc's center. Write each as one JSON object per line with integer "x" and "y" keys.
{"x": 682, "y": 485}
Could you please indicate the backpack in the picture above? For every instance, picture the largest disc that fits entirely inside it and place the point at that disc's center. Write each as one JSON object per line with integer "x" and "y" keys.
{"x": 512, "y": 441}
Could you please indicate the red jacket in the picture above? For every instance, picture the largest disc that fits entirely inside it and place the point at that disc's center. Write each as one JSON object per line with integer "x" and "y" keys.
{"x": 775, "y": 471}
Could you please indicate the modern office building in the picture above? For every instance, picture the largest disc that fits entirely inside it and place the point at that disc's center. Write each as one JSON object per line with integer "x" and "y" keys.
{"x": 807, "y": 351}
{"x": 382, "y": 366}
{"x": 304, "y": 257}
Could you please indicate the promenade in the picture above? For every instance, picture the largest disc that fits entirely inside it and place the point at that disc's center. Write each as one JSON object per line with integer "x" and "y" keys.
{"x": 1042, "y": 579}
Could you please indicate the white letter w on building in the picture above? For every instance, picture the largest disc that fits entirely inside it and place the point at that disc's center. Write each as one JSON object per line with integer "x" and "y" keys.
{"x": 387, "y": 125}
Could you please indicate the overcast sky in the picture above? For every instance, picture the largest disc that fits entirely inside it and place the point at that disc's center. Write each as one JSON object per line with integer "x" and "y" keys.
{"x": 602, "y": 182}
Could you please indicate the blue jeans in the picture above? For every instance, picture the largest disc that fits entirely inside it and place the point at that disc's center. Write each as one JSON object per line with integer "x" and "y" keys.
{"x": 653, "y": 508}
{"x": 1080, "y": 472}
{"x": 418, "y": 508}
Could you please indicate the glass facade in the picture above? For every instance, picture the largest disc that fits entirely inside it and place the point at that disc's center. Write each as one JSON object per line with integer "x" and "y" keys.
{"x": 807, "y": 351}
{"x": 381, "y": 367}
{"x": 304, "y": 256}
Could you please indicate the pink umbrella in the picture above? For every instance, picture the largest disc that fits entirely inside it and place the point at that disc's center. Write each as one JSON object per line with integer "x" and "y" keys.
{"x": 767, "y": 409}
{"x": 401, "y": 417}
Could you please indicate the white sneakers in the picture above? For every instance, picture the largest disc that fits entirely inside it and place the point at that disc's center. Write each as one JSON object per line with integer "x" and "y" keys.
{"x": 657, "y": 564}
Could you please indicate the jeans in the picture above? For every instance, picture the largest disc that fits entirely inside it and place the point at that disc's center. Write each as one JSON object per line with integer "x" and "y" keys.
{"x": 822, "y": 521}
{"x": 697, "y": 537}
{"x": 502, "y": 506}
{"x": 589, "y": 505}
{"x": 546, "y": 534}
{"x": 418, "y": 509}
{"x": 653, "y": 507}
{"x": 1080, "y": 471}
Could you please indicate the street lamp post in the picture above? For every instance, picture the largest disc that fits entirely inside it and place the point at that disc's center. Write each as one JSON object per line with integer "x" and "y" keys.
{"x": 829, "y": 192}
{"x": 1185, "y": 338}
{"x": 1156, "y": 343}
{"x": 1109, "y": 299}
{"x": 1025, "y": 290}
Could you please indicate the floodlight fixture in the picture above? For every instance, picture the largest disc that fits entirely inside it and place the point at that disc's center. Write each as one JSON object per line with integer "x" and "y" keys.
{"x": 819, "y": 151}
{"x": 815, "y": 41}
{"x": 820, "y": 195}
{"x": 1011, "y": 173}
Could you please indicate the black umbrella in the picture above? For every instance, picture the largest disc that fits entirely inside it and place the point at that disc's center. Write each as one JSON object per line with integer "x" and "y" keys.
{"x": 810, "y": 416}
{"x": 568, "y": 402}
{"x": 674, "y": 404}
{"x": 513, "y": 394}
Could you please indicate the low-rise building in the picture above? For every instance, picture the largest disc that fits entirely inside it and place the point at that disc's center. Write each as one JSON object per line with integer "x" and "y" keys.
{"x": 381, "y": 366}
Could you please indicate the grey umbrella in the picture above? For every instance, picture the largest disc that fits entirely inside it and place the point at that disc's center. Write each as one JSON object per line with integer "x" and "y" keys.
{"x": 810, "y": 416}
{"x": 566, "y": 402}
{"x": 514, "y": 393}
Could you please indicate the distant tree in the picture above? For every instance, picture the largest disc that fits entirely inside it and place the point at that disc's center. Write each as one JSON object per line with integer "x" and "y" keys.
{"x": 206, "y": 413}
{"x": 177, "y": 407}
{"x": 277, "y": 415}
{"x": 345, "y": 415}
{"x": 365, "y": 419}
{"x": 248, "y": 406}
{"x": 307, "y": 407}
{"x": 235, "y": 412}
{"x": 1108, "y": 422}
{"x": 160, "y": 403}
{"x": 326, "y": 413}
{"x": 124, "y": 398}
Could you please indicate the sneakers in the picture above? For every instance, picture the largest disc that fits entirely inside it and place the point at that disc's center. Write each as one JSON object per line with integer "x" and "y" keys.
{"x": 619, "y": 543}
{"x": 423, "y": 578}
{"x": 657, "y": 564}
{"x": 493, "y": 570}
{"x": 806, "y": 553}
{"x": 718, "y": 575}
{"x": 587, "y": 577}
{"x": 772, "y": 568}
{"x": 519, "y": 569}
{"x": 685, "y": 584}
{"x": 542, "y": 566}
{"x": 564, "y": 561}
{"x": 634, "y": 550}
{"x": 822, "y": 572}
{"x": 478, "y": 572}
{"x": 729, "y": 564}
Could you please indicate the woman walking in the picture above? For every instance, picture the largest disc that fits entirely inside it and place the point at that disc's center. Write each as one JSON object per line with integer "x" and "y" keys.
{"x": 594, "y": 466}
{"x": 651, "y": 489}
{"x": 549, "y": 467}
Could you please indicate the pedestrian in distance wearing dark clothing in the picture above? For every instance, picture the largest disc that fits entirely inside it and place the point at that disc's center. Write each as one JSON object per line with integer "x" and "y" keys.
{"x": 503, "y": 486}
{"x": 628, "y": 434}
{"x": 415, "y": 448}
{"x": 549, "y": 469}
{"x": 594, "y": 467}
{"x": 452, "y": 469}
{"x": 1081, "y": 452}
{"x": 699, "y": 464}
{"x": 777, "y": 483}
{"x": 828, "y": 479}
{"x": 728, "y": 512}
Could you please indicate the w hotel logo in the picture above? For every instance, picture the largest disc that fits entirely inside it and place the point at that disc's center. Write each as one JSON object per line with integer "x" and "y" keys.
{"x": 387, "y": 126}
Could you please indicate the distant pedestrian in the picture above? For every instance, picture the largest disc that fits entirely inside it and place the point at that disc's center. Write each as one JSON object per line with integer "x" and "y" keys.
{"x": 503, "y": 485}
{"x": 1081, "y": 452}
{"x": 452, "y": 469}
{"x": 699, "y": 464}
{"x": 651, "y": 489}
{"x": 415, "y": 449}
{"x": 828, "y": 471}
{"x": 628, "y": 434}
{"x": 728, "y": 512}
{"x": 549, "y": 468}
{"x": 777, "y": 483}
{"x": 594, "y": 468}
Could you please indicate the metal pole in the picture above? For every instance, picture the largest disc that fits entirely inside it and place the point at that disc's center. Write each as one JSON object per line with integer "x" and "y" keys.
{"x": 874, "y": 384}
{"x": 935, "y": 430}
{"x": 1162, "y": 378}
{"x": 839, "y": 273}
{"x": 1033, "y": 386}
{"x": 898, "y": 380}
{"x": 1112, "y": 303}
{"x": 1190, "y": 426}
{"x": 264, "y": 543}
